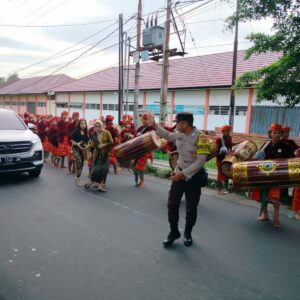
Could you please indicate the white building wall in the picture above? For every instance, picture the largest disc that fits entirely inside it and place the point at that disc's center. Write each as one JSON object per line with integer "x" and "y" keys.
{"x": 193, "y": 102}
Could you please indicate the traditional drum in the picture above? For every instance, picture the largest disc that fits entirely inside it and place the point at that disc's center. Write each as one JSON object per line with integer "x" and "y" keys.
{"x": 175, "y": 155}
{"x": 138, "y": 146}
{"x": 214, "y": 150}
{"x": 267, "y": 173}
{"x": 242, "y": 152}
{"x": 173, "y": 159}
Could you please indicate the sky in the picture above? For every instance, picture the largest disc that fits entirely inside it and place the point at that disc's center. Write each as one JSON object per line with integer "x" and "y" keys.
{"x": 32, "y": 45}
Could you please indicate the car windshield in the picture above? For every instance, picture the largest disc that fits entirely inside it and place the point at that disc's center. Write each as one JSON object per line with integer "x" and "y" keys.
{"x": 10, "y": 121}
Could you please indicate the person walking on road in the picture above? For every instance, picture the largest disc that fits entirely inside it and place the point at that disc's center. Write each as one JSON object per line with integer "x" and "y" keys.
{"x": 189, "y": 175}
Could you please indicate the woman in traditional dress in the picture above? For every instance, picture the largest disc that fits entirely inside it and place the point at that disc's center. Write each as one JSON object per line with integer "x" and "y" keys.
{"x": 79, "y": 142}
{"x": 62, "y": 136}
{"x": 224, "y": 144}
{"x": 42, "y": 127}
{"x": 101, "y": 140}
{"x": 53, "y": 142}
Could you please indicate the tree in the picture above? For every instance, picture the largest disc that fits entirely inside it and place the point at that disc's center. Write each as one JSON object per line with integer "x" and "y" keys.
{"x": 13, "y": 76}
{"x": 281, "y": 78}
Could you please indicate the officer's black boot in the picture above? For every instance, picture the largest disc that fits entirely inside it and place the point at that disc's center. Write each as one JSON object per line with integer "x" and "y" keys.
{"x": 173, "y": 235}
{"x": 188, "y": 240}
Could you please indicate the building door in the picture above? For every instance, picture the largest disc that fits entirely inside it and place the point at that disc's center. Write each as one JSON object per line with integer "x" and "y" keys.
{"x": 31, "y": 107}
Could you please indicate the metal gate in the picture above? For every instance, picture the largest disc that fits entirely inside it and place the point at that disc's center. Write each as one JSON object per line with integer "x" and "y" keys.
{"x": 263, "y": 116}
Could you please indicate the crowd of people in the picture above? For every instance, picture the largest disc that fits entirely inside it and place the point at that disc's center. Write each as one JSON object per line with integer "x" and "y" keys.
{"x": 279, "y": 146}
{"x": 68, "y": 142}
{"x": 69, "y": 137}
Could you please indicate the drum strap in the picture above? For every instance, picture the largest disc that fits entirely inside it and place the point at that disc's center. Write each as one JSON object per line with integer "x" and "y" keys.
{"x": 223, "y": 142}
{"x": 144, "y": 129}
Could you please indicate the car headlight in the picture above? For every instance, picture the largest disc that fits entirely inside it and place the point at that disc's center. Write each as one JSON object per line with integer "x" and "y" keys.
{"x": 37, "y": 144}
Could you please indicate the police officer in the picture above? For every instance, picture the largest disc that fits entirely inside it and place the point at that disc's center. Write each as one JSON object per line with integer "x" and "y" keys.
{"x": 193, "y": 148}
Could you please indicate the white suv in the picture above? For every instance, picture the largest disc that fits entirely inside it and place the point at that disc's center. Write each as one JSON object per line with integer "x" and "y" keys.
{"x": 20, "y": 149}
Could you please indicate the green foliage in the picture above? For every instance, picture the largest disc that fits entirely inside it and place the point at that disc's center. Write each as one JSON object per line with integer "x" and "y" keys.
{"x": 281, "y": 78}
{"x": 211, "y": 164}
{"x": 160, "y": 155}
{"x": 162, "y": 173}
{"x": 12, "y": 77}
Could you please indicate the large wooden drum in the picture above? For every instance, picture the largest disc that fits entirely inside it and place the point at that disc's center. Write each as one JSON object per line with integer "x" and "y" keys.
{"x": 242, "y": 152}
{"x": 173, "y": 159}
{"x": 266, "y": 173}
{"x": 138, "y": 146}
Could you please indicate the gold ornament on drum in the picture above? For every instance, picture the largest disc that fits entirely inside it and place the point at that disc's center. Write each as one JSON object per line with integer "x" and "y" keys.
{"x": 294, "y": 169}
{"x": 267, "y": 167}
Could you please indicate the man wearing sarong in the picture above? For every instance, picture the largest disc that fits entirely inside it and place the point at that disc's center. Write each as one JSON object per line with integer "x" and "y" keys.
{"x": 141, "y": 162}
{"x": 275, "y": 149}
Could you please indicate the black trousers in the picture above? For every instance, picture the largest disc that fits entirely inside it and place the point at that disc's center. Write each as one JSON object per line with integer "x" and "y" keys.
{"x": 192, "y": 191}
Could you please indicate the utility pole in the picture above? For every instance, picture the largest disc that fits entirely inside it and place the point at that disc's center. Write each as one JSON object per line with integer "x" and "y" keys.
{"x": 121, "y": 68}
{"x": 128, "y": 70}
{"x": 137, "y": 65}
{"x": 234, "y": 65}
{"x": 165, "y": 69}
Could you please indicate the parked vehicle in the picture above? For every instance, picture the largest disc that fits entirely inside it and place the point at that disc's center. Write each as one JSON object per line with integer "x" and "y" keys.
{"x": 20, "y": 149}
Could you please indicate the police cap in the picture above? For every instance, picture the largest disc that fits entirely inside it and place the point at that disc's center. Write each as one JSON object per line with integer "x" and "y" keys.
{"x": 184, "y": 116}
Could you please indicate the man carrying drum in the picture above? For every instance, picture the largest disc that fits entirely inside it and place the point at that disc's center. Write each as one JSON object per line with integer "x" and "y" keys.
{"x": 274, "y": 149}
{"x": 189, "y": 175}
{"x": 224, "y": 144}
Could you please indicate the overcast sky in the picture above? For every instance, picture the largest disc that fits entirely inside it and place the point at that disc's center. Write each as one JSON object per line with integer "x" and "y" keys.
{"x": 21, "y": 47}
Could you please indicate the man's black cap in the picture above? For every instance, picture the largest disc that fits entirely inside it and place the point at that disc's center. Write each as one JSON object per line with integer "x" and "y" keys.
{"x": 184, "y": 116}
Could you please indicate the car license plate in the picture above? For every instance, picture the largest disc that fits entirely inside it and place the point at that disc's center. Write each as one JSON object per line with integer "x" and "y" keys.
{"x": 9, "y": 160}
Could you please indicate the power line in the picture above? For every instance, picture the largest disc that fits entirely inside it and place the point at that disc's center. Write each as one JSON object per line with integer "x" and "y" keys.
{"x": 57, "y": 25}
{"x": 78, "y": 57}
{"x": 13, "y": 10}
{"x": 204, "y": 68}
{"x": 46, "y": 13}
{"x": 61, "y": 52}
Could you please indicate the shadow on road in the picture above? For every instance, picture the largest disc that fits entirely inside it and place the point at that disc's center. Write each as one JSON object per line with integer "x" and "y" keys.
{"x": 14, "y": 179}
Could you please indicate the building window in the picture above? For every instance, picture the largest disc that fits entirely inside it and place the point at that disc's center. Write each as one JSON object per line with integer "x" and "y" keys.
{"x": 131, "y": 107}
{"x": 224, "y": 110}
{"x": 41, "y": 104}
{"x": 22, "y": 103}
{"x": 62, "y": 105}
{"x": 76, "y": 105}
{"x": 219, "y": 110}
{"x": 214, "y": 110}
{"x": 93, "y": 106}
{"x": 241, "y": 110}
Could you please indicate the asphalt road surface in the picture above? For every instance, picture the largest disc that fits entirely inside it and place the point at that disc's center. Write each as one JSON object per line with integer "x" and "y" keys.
{"x": 58, "y": 241}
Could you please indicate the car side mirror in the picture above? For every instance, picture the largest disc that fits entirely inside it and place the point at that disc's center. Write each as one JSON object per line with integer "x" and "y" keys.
{"x": 31, "y": 126}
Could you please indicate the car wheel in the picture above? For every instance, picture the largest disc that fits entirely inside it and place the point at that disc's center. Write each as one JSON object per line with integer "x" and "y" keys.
{"x": 34, "y": 173}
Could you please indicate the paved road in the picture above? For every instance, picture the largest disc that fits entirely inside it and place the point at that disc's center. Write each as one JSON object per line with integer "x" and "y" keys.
{"x": 62, "y": 242}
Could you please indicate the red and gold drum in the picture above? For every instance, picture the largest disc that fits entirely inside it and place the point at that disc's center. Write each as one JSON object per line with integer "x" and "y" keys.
{"x": 242, "y": 152}
{"x": 266, "y": 173}
{"x": 214, "y": 150}
{"x": 138, "y": 146}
